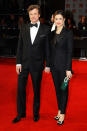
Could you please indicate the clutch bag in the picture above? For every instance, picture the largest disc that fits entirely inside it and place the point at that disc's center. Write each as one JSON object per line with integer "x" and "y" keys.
{"x": 65, "y": 83}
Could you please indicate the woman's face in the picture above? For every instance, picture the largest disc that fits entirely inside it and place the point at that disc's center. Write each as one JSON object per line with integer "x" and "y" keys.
{"x": 59, "y": 20}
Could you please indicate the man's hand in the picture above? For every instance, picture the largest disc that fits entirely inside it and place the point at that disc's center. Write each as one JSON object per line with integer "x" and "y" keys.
{"x": 47, "y": 69}
{"x": 18, "y": 69}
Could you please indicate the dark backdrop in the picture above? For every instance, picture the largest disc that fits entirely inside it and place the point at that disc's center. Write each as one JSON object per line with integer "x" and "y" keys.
{"x": 50, "y": 6}
{"x": 56, "y": 4}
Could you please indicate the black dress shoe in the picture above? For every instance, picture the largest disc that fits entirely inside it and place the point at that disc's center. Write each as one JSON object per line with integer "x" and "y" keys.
{"x": 60, "y": 122}
{"x": 36, "y": 118}
{"x": 18, "y": 118}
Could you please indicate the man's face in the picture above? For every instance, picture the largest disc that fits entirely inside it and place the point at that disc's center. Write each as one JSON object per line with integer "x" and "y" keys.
{"x": 34, "y": 15}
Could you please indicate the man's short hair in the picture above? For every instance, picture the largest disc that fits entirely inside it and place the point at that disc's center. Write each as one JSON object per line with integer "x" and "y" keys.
{"x": 31, "y": 7}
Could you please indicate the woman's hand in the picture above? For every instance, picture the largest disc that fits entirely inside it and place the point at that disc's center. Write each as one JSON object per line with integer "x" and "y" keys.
{"x": 68, "y": 74}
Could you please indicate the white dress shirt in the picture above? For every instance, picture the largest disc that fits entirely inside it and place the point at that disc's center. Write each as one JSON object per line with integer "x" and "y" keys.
{"x": 33, "y": 31}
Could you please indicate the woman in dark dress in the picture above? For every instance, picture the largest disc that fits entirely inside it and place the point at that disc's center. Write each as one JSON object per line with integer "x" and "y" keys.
{"x": 61, "y": 41}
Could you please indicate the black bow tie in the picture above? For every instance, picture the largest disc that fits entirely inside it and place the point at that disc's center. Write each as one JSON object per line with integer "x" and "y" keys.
{"x": 31, "y": 25}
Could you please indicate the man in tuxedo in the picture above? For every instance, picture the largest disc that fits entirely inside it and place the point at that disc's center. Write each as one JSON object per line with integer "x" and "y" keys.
{"x": 33, "y": 50}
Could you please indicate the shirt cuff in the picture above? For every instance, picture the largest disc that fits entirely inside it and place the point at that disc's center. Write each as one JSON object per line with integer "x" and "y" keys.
{"x": 18, "y": 64}
{"x": 47, "y": 67}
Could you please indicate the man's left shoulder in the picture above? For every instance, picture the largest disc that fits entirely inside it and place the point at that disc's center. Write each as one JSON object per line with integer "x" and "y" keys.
{"x": 44, "y": 26}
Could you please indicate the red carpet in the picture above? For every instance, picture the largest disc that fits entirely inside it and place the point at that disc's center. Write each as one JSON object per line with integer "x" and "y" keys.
{"x": 76, "y": 115}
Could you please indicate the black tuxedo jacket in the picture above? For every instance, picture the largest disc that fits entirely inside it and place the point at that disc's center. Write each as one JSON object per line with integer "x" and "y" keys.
{"x": 61, "y": 49}
{"x": 33, "y": 56}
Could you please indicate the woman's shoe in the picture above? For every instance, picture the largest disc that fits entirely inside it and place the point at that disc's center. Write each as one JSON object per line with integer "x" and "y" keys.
{"x": 61, "y": 119}
{"x": 60, "y": 122}
{"x": 56, "y": 117}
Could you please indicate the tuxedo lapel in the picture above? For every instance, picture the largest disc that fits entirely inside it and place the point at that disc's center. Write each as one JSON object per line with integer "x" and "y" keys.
{"x": 28, "y": 37}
